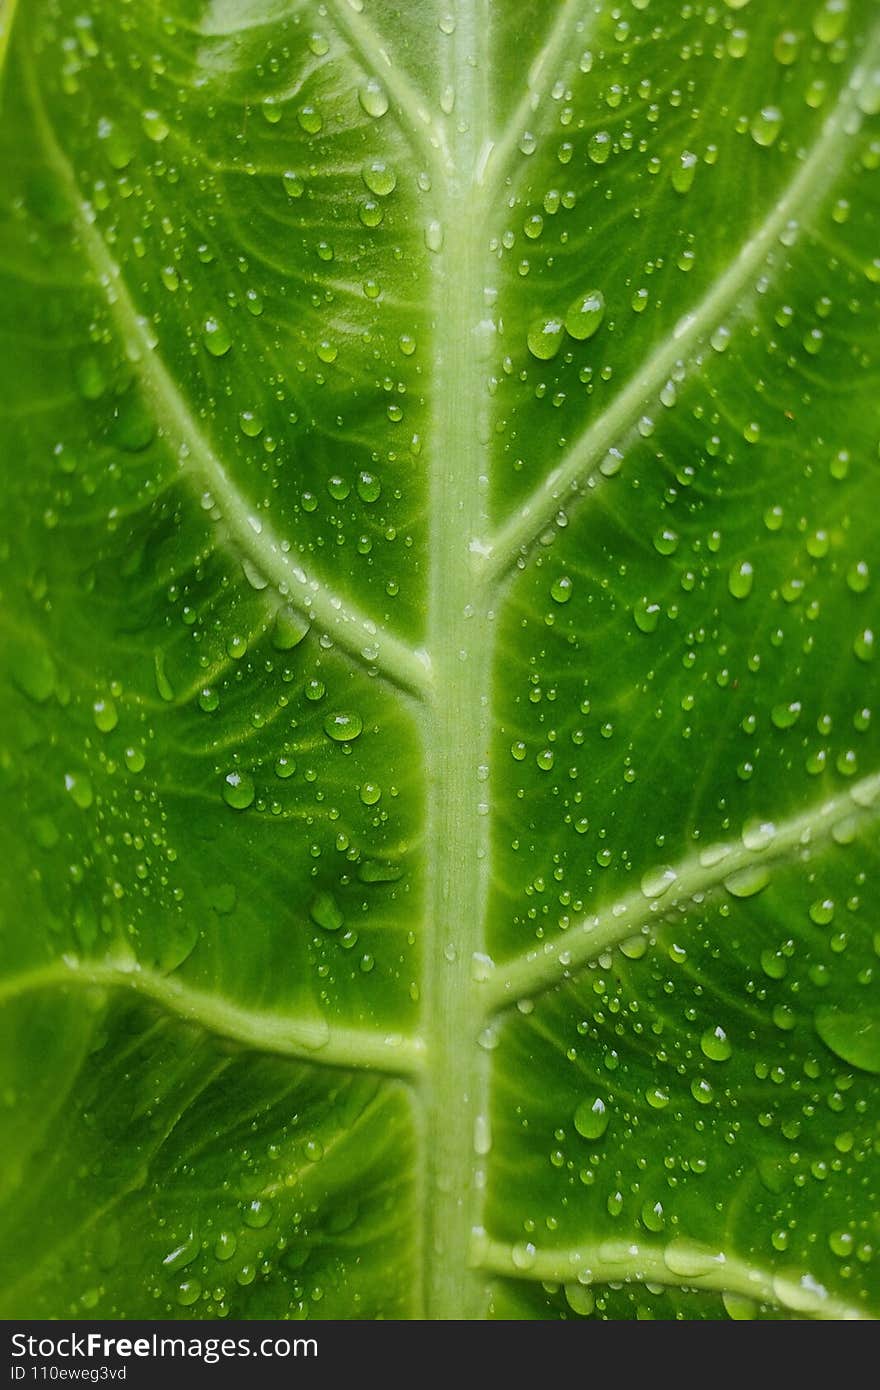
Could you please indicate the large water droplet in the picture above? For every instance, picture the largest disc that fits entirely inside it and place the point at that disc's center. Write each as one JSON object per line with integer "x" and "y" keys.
{"x": 591, "y": 1118}
{"x": 238, "y": 790}
{"x": 325, "y": 912}
{"x": 853, "y": 1036}
{"x": 343, "y": 726}
{"x": 584, "y": 315}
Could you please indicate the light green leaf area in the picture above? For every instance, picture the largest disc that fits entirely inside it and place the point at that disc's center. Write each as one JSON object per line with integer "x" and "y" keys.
{"x": 439, "y": 747}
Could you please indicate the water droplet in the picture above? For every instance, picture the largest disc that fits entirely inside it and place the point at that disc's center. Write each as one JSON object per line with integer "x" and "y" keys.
{"x": 652, "y": 1216}
{"x": 288, "y": 629}
{"x": 858, "y": 577}
{"x": 657, "y": 1097}
{"x": 747, "y": 882}
{"x": 740, "y": 579}
{"x": 584, "y": 315}
{"x": 715, "y": 1044}
{"x": 135, "y": 759}
{"x": 852, "y": 1036}
{"x": 155, "y": 126}
{"x": 215, "y": 337}
{"x": 293, "y": 183}
{"x": 665, "y": 541}
{"x": 372, "y": 98}
{"x": 379, "y": 177}
{"x": 785, "y": 716}
{"x": 523, "y": 1255}
{"x": 702, "y": 1091}
{"x": 343, "y": 726}
{"x": 325, "y": 913}
{"x": 183, "y": 1253}
{"x": 689, "y": 1260}
{"x": 599, "y": 147}
{"x": 864, "y": 646}
{"x": 238, "y": 790}
{"x": 310, "y": 119}
{"x": 545, "y": 337}
{"x": 786, "y": 46}
{"x": 378, "y": 871}
{"x": 580, "y": 1299}
{"x": 105, "y": 715}
{"x": 591, "y": 1118}
{"x": 829, "y": 20}
{"x": 369, "y": 488}
{"x": 561, "y": 589}
{"x": 482, "y": 1136}
{"x": 225, "y": 1245}
{"x": 257, "y": 1213}
{"x": 658, "y": 881}
{"x": 765, "y": 125}
{"x": 646, "y": 615}
{"x": 434, "y": 235}
{"x": 758, "y": 834}
{"x": 189, "y": 1293}
{"x": 80, "y": 789}
{"x": 684, "y": 171}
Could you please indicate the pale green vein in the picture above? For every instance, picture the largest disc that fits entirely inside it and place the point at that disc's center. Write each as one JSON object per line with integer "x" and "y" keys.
{"x": 422, "y": 129}
{"x": 7, "y": 19}
{"x": 252, "y": 536}
{"x": 670, "y": 887}
{"x": 680, "y": 1265}
{"x": 729, "y": 295}
{"x": 495, "y": 160}
{"x": 309, "y": 1039}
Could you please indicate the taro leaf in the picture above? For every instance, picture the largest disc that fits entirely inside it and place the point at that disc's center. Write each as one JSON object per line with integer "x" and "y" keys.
{"x": 440, "y": 758}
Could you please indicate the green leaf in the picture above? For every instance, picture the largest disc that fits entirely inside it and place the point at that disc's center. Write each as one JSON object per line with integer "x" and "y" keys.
{"x": 440, "y": 765}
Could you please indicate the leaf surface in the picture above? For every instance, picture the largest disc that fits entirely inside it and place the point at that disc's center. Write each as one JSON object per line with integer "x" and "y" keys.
{"x": 440, "y": 766}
